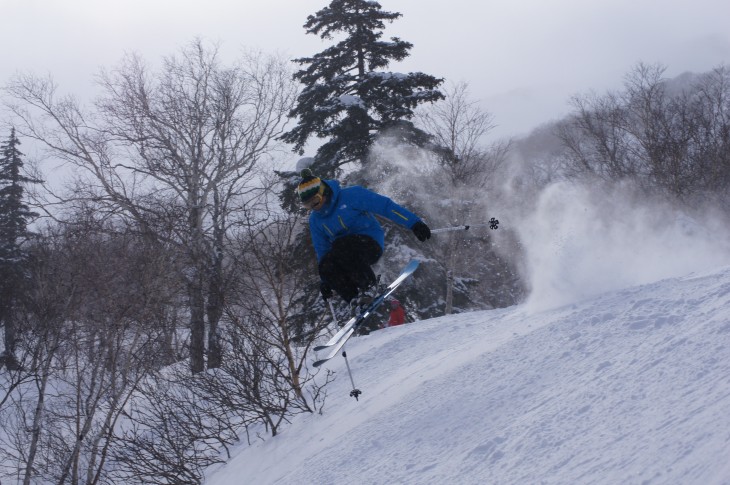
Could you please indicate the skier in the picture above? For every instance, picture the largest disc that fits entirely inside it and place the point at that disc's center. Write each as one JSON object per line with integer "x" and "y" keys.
{"x": 347, "y": 237}
{"x": 397, "y": 314}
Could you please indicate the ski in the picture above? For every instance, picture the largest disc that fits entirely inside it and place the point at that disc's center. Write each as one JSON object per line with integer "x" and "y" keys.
{"x": 338, "y": 341}
{"x": 332, "y": 350}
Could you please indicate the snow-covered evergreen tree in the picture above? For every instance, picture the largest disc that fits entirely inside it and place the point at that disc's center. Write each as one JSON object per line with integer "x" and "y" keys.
{"x": 348, "y": 97}
{"x": 14, "y": 218}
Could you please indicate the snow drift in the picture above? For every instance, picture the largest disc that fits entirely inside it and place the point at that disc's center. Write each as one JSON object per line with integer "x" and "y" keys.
{"x": 632, "y": 386}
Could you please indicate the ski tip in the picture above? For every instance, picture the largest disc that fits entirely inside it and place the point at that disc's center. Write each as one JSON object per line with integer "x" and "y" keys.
{"x": 320, "y": 348}
{"x": 412, "y": 265}
{"x": 317, "y": 363}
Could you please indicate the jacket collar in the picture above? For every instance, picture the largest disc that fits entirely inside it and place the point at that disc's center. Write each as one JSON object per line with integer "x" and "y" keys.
{"x": 329, "y": 207}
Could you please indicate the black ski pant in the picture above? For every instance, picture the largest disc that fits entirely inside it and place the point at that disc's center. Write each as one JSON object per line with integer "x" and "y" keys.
{"x": 346, "y": 268}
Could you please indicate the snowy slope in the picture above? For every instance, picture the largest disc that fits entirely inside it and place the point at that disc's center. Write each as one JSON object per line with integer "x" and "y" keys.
{"x": 630, "y": 387}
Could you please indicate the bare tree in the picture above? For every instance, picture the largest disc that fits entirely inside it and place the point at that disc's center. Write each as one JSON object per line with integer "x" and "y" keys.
{"x": 179, "y": 425}
{"x": 268, "y": 349}
{"x": 114, "y": 342}
{"x": 667, "y": 136}
{"x": 177, "y": 149}
{"x": 45, "y": 306}
{"x": 172, "y": 431}
{"x": 460, "y": 125}
{"x": 90, "y": 334}
{"x": 711, "y": 138}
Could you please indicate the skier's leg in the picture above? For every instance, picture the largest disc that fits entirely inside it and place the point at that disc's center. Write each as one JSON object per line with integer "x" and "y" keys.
{"x": 347, "y": 266}
{"x": 333, "y": 270}
{"x": 365, "y": 252}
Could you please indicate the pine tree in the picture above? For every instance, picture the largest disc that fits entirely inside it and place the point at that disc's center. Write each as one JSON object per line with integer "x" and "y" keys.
{"x": 14, "y": 218}
{"x": 350, "y": 100}
{"x": 347, "y": 98}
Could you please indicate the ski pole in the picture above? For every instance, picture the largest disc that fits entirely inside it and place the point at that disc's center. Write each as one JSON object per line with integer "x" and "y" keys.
{"x": 334, "y": 317}
{"x": 355, "y": 391}
{"x": 493, "y": 224}
{"x": 332, "y": 310}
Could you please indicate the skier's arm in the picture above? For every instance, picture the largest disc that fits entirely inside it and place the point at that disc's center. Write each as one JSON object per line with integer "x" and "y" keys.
{"x": 320, "y": 242}
{"x": 369, "y": 201}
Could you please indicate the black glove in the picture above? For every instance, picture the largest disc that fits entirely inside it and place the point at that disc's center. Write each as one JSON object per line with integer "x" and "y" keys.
{"x": 326, "y": 290}
{"x": 421, "y": 231}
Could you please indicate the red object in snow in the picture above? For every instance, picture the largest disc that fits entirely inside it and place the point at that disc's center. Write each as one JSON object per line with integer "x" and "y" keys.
{"x": 397, "y": 314}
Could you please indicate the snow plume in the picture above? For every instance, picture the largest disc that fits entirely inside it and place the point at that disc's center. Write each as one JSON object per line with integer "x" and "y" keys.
{"x": 413, "y": 177}
{"x": 396, "y": 168}
{"x": 573, "y": 240}
{"x": 582, "y": 241}
{"x": 410, "y": 176}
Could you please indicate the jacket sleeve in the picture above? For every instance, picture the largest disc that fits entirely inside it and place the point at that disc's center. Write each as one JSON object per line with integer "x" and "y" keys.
{"x": 369, "y": 201}
{"x": 319, "y": 241}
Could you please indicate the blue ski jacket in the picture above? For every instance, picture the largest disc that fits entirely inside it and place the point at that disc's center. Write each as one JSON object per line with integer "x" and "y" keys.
{"x": 351, "y": 210}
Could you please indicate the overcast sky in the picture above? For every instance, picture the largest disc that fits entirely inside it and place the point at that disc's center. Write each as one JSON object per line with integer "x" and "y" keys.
{"x": 522, "y": 58}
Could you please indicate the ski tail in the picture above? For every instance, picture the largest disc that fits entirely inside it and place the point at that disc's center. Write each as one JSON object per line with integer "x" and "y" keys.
{"x": 333, "y": 349}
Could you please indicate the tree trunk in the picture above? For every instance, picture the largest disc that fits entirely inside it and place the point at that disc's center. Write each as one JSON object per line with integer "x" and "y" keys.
{"x": 216, "y": 290}
{"x": 169, "y": 335}
{"x": 215, "y": 311}
{"x": 291, "y": 362}
{"x": 37, "y": 427}
{"x": 197, "y": 326}
{"x": 196, "y": 285}
{"x": 6, "y": 319}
